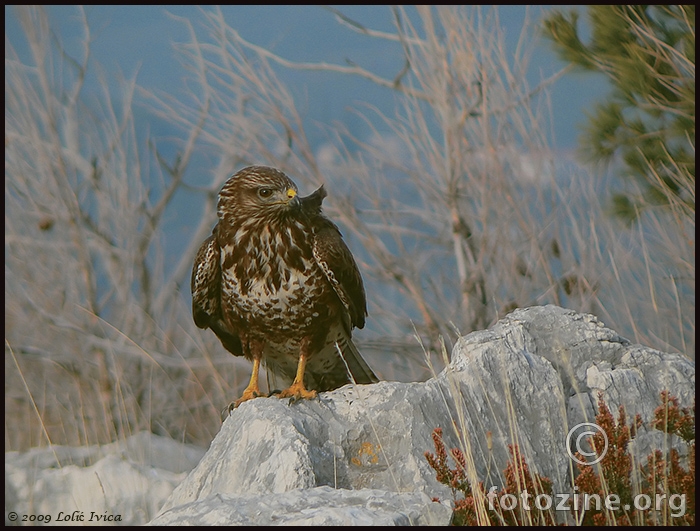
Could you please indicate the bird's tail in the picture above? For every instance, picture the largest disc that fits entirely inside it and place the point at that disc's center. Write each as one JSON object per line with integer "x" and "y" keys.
{"x": 356, "y": 365}
{"x": 337, "y": 364}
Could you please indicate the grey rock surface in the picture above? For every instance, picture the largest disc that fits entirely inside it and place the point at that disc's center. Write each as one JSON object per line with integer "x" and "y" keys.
{"x": 315, "y": 506}
{"x": 526, "y": 381}
{"x": 130, "y": 479}
{"x": 356, "y": 455}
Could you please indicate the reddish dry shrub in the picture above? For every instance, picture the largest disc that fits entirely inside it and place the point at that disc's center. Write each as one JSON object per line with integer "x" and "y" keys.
{"x": 616, "y": 466}
{"x": 662, "y": 475}
{"x": 519, "y": 480}
{"x": 667, "y": 475}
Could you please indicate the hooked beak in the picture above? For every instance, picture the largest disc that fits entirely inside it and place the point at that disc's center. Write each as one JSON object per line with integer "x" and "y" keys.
{"x": 293, "y": 199}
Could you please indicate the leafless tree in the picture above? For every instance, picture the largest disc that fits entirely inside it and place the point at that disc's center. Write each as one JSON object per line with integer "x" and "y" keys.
{"x": 455, "y": 205}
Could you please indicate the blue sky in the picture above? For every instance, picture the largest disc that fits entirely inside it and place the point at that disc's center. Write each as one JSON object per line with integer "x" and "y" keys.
{"x": 130, "y": 41}
{"x": 138, "y": 40}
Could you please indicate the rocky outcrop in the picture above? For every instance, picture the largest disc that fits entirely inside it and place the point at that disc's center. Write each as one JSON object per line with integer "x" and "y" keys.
{"x": 360, "y": 449}
{"x": 314, "y": 506}
{"x": 355, "y": 456}
{"x": 124, "y": 483}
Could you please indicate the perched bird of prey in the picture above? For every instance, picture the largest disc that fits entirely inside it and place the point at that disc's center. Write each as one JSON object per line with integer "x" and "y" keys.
{"x": 277, "y": 284}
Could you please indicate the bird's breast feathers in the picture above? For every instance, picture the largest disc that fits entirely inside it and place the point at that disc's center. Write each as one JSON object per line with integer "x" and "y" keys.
{"x": 271, "y": 280}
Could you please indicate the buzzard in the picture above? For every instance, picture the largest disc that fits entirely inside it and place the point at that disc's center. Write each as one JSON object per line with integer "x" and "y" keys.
{"x": 277, "y": 284}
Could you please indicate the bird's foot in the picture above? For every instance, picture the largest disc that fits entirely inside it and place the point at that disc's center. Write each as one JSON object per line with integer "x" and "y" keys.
{"x": 248, "y": 394}
{"x": 297, "y": 391}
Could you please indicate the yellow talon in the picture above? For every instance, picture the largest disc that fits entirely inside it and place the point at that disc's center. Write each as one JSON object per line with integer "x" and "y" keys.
{"x": 297, "y": 389}
{"x": 250, "y": 392}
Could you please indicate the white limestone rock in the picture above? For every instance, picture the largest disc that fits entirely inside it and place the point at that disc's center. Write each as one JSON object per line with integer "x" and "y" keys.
{"x": 356, "y": 455}
{"x": 317, "y": 506}
{"x": 124, "y": 483}
{"x": 526, "y": 381}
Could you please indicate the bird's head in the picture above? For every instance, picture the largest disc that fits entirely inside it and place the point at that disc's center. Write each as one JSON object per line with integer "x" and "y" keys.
{"x": 258, "y": 193}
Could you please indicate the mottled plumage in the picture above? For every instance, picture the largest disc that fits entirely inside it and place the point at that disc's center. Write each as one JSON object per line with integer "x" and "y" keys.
{"x": 277, "y": 284}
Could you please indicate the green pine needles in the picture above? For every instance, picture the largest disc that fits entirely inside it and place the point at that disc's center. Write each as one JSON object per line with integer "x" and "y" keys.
{"x": 648, "y": 55}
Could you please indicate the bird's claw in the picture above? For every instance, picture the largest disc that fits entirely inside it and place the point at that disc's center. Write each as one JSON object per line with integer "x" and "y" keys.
{"x": 296, "y": 392}
{"x": 248, "y": 394}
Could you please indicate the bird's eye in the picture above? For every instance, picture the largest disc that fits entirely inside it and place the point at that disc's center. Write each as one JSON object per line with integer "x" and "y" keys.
{"x": 265, "y": 192}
